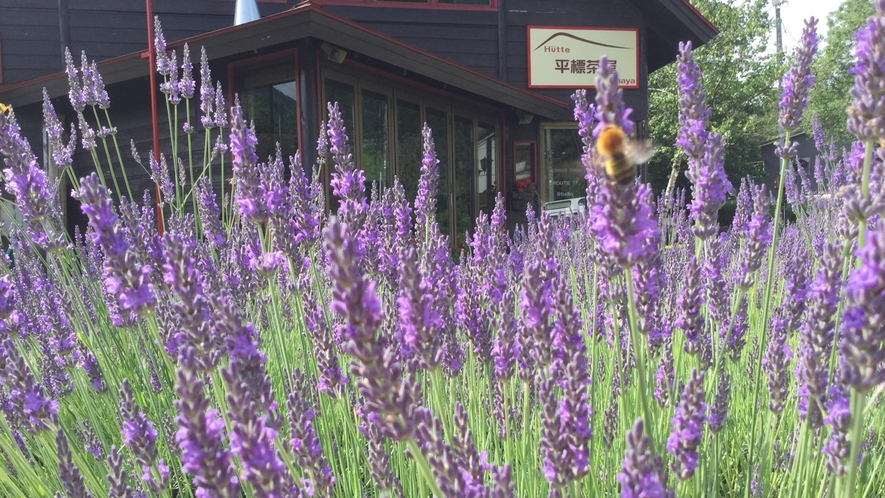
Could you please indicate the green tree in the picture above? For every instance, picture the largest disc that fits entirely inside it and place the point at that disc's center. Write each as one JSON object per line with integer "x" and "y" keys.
{"x": 830, "y": 96}
{"x": 740, "y": 80}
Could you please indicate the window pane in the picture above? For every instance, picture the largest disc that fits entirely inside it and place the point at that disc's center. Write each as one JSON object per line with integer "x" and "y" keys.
{"x": 343, "y": 94}
{"x": 465, "y": 157}
{"x": 487, "y": 176}
{"x": 439, "y": 124}
{"x": 467, "y": 2}
{"x": 564, "y": 172}
{"x": 408, "y": 146}
{"x": 267, "y": 96}
{"x": 375, "y": 148}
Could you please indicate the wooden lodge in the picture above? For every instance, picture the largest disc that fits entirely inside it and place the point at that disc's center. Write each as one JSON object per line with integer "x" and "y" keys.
{"x": 492, "y": 78}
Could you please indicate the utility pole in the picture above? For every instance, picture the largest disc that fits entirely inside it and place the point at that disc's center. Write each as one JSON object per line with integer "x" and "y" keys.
{"x": 777, "y": 16}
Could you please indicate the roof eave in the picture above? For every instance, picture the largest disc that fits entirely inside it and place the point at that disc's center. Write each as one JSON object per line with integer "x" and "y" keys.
{"x": 304, "y": 21}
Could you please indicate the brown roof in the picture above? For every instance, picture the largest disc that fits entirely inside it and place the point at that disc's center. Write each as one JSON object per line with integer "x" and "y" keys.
{"x": 304, "y": 21}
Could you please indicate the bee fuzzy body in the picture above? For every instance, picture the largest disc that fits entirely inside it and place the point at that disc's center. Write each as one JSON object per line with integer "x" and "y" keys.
{"x": 619, "y": 169}
{"x": 621, "y": 154}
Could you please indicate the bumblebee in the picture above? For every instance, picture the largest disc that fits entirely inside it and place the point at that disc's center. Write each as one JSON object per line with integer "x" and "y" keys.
{"x": 622, "y": 154}
{"x": 4, "y": 109}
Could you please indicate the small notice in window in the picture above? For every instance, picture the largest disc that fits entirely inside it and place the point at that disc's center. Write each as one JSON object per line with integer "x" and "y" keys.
{"x": 569, "y": 57}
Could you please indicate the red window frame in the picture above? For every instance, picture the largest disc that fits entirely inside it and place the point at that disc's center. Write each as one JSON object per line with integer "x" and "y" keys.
{"x": 426, "y": 4}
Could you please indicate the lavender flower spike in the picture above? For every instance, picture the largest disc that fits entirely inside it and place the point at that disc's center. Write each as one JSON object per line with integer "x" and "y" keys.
{"x": 866, "y": 114}
{"x": 425, "y": 201}
{"x": 610, "y": 109}
{"x": 250, "y": 191}
{"x": 705, "y": 150}
{"x": 348, "y": 182}
{"x": 799, "y": 80}
{"x": 124, "y": 278}
{"x": 862, "y": 346}
{"x": 69, "y": 474}
{"x": 688, "y": 427}
{"x": 693, "y": 111}
{"x": 639, "y": 477}
{"x": 141, "y": 437}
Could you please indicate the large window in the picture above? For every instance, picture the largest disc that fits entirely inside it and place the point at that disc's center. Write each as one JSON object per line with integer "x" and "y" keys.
{"x": 421, "y": 4}
{"x": 562, "y": 169}
{"x": 267, "y": 95}
{"x": 384, "y": 122}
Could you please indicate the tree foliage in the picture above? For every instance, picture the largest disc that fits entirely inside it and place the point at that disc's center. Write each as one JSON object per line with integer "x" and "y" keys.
{"x": 740, "y": 80}
{"x": 830, "y": 96}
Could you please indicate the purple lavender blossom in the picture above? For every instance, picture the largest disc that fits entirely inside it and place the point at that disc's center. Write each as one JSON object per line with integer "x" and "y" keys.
{"x": 693, "y": 111}
{"x": 623, "y": 223}
{"x": 124, "y": 277}
{"x": 688, "y": 427}
{"x": 61, "y": 153}
{"x": 207, "y": 92}
{"x": 719, "y": 409}
{"x": 837, "y": 447}
{"x": 75, "y": 92}
{"x": 690, "y": 319}
{"x": 186, "y": 85}
{"x": 816, "y": 335}
{"x": 866, "y": 114}
{"x": 68, "y": 473}
{"x": 710, "y": 185}
{"x": 757, "y": 237}
{"x": 119, "y": 488}
{"x": 194, "y": 324}
{"x": 425, "y": 201}
{"x": 862, "y": 346}
{"x": 775, "y": 362}
{"x": 639, "y": 477}
{"x": 348, "y": 181}
{"x": 160, "y": 48}
{"x": 704, "y": 149}
{"x": 421, "y": 323}
{"x": 331, "y": 378}
{"x": 210, "y": 214}
{"x": 26, "y": 401}
{"x": 252, "y": 407}
{"x": 141, "y": 438}
{"x": 250, "y": 193}
{"x": 170, "y": 86}
{"x": 29, "y": 185}
{"x": 201, "y": 436}
{"x": 391, "y": 400}
{"x": 304, "y": 442}
{"x": 379, "y": 461}
{"x": 798, "y": 80}
{"x": 610, "y": 109}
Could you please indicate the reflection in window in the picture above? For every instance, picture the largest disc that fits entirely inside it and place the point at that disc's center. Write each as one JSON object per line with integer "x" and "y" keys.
{"x": 267, "y": 96}
{"x": 439, "y": 124}
{"x": 486, "y": 178}
{"x": 465, "y": 155}
{"x": 375, "y": 146}
{"x": 409, "y": 146}
{"x": 563, "y": 169}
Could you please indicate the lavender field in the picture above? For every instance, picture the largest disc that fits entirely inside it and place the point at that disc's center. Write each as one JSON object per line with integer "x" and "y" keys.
{"x": 262, "y": 346}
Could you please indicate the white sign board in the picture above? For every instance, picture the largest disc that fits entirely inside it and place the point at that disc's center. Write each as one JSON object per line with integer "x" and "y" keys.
{"x": 569, "y": 57}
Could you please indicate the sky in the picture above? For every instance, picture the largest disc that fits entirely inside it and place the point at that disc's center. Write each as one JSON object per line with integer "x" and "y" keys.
{"x": 794, "y": 13}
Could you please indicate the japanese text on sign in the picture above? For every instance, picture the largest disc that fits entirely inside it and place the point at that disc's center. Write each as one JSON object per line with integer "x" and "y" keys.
{"x": 569, "y": 57}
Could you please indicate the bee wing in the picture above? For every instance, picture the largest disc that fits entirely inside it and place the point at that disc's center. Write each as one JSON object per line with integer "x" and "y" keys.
{"x": 639, "y": 151}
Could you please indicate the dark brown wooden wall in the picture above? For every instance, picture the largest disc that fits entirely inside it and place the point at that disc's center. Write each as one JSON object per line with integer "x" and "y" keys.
{"x": 471, "y": 38}
{"x": 31, "y": 34}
